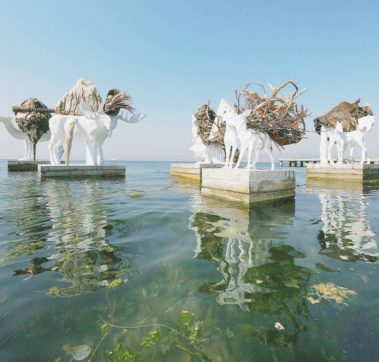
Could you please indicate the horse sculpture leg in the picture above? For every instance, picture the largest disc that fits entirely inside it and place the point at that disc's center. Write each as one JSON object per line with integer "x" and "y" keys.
{"x": 242, "y": 152}
{"x": 227, "y": 155}
{"x": 89, "y": 154}
{"x": 268, "y": 150}
{"x": 100, "y": 156}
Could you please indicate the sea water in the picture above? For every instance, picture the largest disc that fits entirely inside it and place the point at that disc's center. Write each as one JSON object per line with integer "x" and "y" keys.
{"x": 146, "y": 269}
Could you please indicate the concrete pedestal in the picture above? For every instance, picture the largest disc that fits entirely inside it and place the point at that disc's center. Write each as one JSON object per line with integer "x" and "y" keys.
{"x": 191, "y": 170}
{"x": 74, "y": 171}
{"x": 355, "y": 172}
{"x": 247, "y": 186}
{"x": 21, "y": 166}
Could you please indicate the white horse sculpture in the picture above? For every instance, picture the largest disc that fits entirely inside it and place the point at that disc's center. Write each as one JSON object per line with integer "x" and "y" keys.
{"x": 28, "y": 145}
{"x": 250, "y": 140}
{"x": 231, "y": 140}
{"x": 91, "y": 127}
{"x": 204, "y": 153}
{"x": 343, "y": 140}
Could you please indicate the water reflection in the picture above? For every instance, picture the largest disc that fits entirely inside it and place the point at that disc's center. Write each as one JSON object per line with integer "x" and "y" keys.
{"x": 346, "y": 233}
{"x": 259, "y": 272}
{"x": 75, "y": 243}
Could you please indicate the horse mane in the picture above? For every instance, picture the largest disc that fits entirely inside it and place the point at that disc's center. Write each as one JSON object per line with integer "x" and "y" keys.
{"x": 83, "y": 91}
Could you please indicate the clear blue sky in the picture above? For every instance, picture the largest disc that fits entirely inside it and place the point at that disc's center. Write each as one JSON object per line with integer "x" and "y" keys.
{"x": 173, "y": 56}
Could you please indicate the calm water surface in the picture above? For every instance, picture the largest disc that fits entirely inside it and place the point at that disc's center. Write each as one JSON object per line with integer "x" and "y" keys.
{"x": 145, "y": 269}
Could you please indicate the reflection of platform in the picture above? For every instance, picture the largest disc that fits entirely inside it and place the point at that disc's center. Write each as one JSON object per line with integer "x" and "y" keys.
{"x": 247, "y": 186}
{"x": 81, "y": 171}
{"x": 344, "y": 172}
{"x": 191, "y": 170}
{"x": 16, "y": 166}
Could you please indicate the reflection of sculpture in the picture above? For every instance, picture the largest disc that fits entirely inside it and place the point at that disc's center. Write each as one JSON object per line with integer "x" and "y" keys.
{"x": 348, "y": 115}
{"x": 68, "y": 238}
{"x": 205, "y": 148}
{"x": 258, "y": 272}
{"x": 346, "y": 233}
{"x": 81, "y": 251}
{"x": 80, "y": 118}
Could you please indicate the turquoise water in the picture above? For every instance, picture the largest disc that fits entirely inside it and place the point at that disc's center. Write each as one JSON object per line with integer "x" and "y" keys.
{"x": 145, "y": 269}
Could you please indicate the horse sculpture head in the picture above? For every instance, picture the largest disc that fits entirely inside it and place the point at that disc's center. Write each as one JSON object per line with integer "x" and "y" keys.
{"x": 345, "y": 112}
{"x": 366, "y": 123}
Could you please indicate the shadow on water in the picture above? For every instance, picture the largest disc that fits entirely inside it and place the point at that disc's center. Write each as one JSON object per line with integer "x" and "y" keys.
{"x": 64, "y": 229}
{"x": 258, "y": 270}
{"x": 345, "y": 232}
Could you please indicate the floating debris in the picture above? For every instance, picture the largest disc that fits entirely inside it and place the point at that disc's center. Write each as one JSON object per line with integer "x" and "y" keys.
{"x": 279, "y": 326}
{"x": 136, "y": 194}
{"x": 331, "y": 292}
{"x": 81, "y": 352}
{"x": 114, "y": 283}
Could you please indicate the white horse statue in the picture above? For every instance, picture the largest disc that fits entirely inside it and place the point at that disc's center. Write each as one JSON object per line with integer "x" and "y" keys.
{"x": 250, "y": 140}
{"x": 345, "y": 140}
{"x": 211, "y": 153}
{"x": 231, "y": 140}
{"x": 28, "y": 145}
{"x": 91, "y": 127}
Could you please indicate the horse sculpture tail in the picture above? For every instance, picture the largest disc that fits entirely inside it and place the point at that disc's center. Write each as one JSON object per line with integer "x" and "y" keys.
{"x": 69, "y": 139}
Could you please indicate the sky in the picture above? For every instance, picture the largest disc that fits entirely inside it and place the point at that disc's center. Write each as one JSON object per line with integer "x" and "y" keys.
{"x": 173, "y": 56}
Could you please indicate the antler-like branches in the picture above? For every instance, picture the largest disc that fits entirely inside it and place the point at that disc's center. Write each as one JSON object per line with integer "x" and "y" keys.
{"x": 279, "y": 116}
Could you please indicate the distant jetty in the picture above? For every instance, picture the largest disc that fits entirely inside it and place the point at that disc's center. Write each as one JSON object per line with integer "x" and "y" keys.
{"x": 302, "y": 162}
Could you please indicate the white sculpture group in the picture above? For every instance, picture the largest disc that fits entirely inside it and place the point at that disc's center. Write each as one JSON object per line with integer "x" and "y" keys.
{"x": 92, "y": 128}
{"x": 237, "y": 137}
{"x": 344, "y": 141}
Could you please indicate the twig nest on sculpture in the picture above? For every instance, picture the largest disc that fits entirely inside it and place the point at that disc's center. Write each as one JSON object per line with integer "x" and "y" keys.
{"x": 33, "y": 121}
{"x": 117, "y": 100}
{"x": 345, "y": 113}
{"x": 84, "y": 91}
{"x": 280, "y": 117}
{"x": 206, "y": 118}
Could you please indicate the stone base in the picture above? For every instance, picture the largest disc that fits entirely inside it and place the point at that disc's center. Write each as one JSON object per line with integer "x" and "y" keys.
{"x": 21, "y": 166}
{"x": 191, "y": 170}
{"x": 355, "y": 172}
{"x": 248, "y": 186}
{"x": 74, "y": 171}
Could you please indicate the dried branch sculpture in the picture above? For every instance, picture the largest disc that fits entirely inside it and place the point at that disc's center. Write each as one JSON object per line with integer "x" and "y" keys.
{"x": 280, "y": 117}
{"x": 32, "y": 117}
{"x": 84, "y": 91}
{"x": 346, "y": 116}
{"x": 208, "y": 143}
{"x": 80, "y": 120}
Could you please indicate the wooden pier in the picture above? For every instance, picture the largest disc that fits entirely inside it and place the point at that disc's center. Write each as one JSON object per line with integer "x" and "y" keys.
{"x": 302, "y": 162}
{"x": 297, "y": 162}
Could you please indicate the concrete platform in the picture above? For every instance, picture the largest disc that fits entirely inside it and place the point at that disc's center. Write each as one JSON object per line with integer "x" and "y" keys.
{"x": 247, "y": 186}
{"x": 21, "y": 166}
{"x": 74, "y": 171}
{"x": 191, "y": 170}
{"x": 355, "y": 172}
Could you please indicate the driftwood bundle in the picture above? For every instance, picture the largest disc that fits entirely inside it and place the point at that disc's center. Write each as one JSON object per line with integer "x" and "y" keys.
{"x": 117, "y": 100}
{"x": 32, "y": 117}
{"x": 346, "y": 113}
{"x": 280, "y": 117}
{"x": 206, "y": 118}
{"x": 84, "y": 91}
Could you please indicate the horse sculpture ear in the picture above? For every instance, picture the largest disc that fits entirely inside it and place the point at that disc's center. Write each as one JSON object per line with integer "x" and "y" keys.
{"x": 87, "y": 111}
